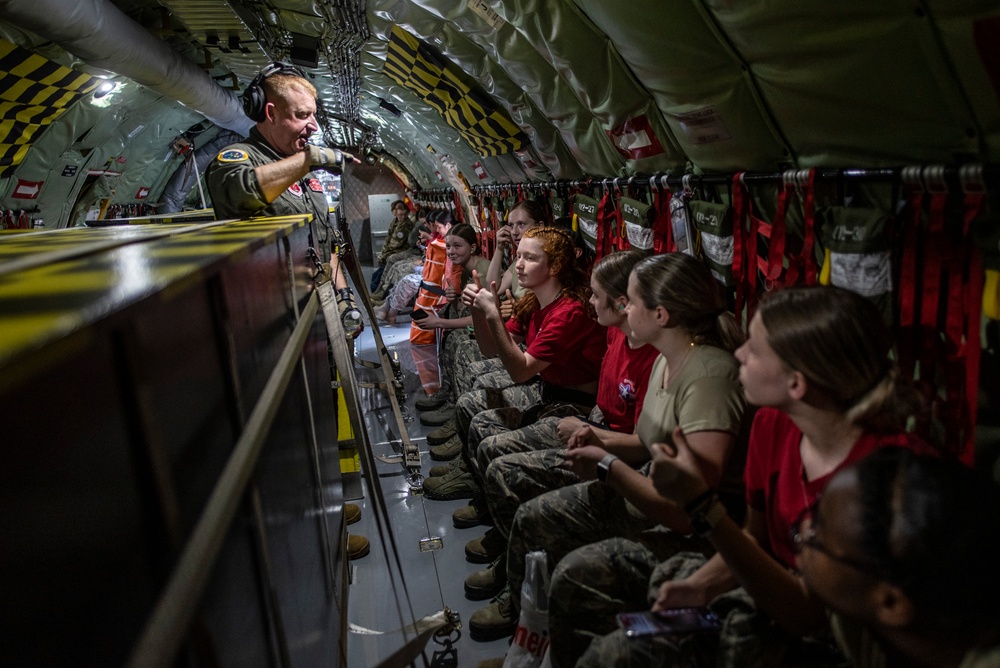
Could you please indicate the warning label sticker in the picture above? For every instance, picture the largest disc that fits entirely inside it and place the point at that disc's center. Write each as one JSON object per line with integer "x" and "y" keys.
{"x": 702, "y": 126}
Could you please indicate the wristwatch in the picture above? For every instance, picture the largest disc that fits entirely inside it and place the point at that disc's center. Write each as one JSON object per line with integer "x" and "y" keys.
{"x": 707, "y": 515}
{"x": 604, "y": 467}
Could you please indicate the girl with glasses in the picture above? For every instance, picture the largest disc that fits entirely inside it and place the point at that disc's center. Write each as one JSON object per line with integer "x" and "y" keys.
{"x": 902, "y": 549}
{"x": 818, "y": 362}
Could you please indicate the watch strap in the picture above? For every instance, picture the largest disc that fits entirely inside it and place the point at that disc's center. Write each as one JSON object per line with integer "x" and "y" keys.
{"x": 704, "y": 518}
{"x": 604, "y": 467}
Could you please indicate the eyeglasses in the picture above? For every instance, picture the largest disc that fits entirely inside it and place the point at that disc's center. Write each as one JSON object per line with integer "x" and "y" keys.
{"x": 809, "y": 538}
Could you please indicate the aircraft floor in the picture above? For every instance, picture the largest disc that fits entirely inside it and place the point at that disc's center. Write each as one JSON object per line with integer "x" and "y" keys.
{"x": 431, "y": 580}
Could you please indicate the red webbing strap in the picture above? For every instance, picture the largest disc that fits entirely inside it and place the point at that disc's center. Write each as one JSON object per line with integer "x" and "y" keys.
{"x": 929, "y": 348}
{"x": 459, "y": 209}
{"x": 520, "y": 192}
{"x": 752, "y": 260}
{"x": 973, "y": 310}
{"x": 935, "y": 240}
{"x": 764, "y": 230}
{"x": 809, "y": 228}
{"x": 490, "y": 233}
{"x": 908, "y": 339}
{"x": 738, "y": 244}
{"x": 776, "y": 251}
{"x": 908, "y": 263}
{"x": 661, "y": 223}
{"x": 619, "y": 237}
{"x": 603, "y": 228}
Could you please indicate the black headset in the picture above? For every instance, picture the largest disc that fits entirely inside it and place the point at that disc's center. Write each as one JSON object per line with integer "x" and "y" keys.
{"x": 254, "y": 98}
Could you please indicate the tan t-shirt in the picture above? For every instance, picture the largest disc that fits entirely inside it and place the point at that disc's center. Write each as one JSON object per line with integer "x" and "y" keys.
{"x": 704, "y": 394}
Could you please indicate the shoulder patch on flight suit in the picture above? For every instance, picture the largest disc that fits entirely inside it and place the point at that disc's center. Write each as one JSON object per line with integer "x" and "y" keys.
{"x": 233, "y": 155}
{"x": 295, "y": 189}
{"x": 315, "y": 185}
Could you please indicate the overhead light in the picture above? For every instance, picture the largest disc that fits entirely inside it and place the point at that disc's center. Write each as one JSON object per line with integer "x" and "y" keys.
{"x": 104, "y": 89}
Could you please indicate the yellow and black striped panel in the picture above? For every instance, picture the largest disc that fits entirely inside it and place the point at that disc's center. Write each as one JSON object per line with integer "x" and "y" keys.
{"x": 44, "y": 304}
{"x": 34, "y": 91}
{"x": 463, "y": 105}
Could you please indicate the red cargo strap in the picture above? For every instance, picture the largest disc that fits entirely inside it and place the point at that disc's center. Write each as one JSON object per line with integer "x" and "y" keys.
{"x": 935, "y": 240}
{"x": 809, "y": 228}
{"x": 459, "y": 210}
{"x": 619, "y": 237}
{"x": 603, "y": 227}
{"x": 776, "y": 251}
{"x": 738, "y": 243}
{"x": 662, "y": 230}
{"x": 972, "y": 347}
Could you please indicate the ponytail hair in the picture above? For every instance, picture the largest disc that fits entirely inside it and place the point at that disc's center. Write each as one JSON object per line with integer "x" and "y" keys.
{"x": 837, "y": 340}
{"x": 688, "y": 291}
{"x": 612, "y": 272}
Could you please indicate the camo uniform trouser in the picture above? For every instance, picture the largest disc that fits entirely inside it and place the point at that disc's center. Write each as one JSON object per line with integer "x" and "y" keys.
{"x": 564, "y": 519}
{"x": 593, "y": 583}
{"x": 747, "y": 637}
{"x": 518, "y": 477}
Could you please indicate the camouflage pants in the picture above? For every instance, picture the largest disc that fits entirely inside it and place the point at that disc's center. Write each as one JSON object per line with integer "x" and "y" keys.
{"x": 404, "y": 293}
{"x": 564, "y": 519}
{"x": 515, "y": 478}
{"x": 471, "y": 366}
{"x": 541, "y": 435}
{"x": 487, "y": 411}
{"x": 454, "y": 339}
{"x": 397, "y": 265}
{"x": 593, "y": 583}
{"x": 747, "y": 637}
{"x": 412, "y": 254}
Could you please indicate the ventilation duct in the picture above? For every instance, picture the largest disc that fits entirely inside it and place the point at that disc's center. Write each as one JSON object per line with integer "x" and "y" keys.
{"x": 99, "y": 34}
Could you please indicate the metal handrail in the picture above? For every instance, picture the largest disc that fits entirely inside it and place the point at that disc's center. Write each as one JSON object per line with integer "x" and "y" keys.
{"x": 166, "y": 628}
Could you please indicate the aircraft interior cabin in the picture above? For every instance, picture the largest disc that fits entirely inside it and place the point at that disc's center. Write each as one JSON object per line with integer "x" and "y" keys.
{"x": 499, "y": 333}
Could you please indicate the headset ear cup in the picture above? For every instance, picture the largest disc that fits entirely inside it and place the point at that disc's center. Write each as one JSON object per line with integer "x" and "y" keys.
{"x": 254, "y": 98}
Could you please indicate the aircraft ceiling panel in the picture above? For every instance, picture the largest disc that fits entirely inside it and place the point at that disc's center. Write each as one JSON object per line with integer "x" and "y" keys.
{"x": 419, "y": 125}
{"x": 460, "y": 43}
{"x": 982, "y": 87}
{"x": 853, "y": 85}
{"x": 585, "y": 66}
{"x": 699, "y": 87}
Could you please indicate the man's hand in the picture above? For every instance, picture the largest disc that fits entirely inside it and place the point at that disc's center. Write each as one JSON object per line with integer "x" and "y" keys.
{"x": 330, "y": 159}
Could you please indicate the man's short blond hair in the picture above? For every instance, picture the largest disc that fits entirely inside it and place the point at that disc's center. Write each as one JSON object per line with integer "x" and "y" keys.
{"x": 278, "y": 87}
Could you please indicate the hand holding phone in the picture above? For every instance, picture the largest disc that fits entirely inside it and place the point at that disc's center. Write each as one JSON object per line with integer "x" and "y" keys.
{"x": 676, "y": 621}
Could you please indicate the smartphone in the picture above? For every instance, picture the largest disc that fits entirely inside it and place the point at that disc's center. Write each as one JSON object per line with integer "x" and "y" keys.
{"x": 418, "y": 314}
{"x": 680, "y": 621}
